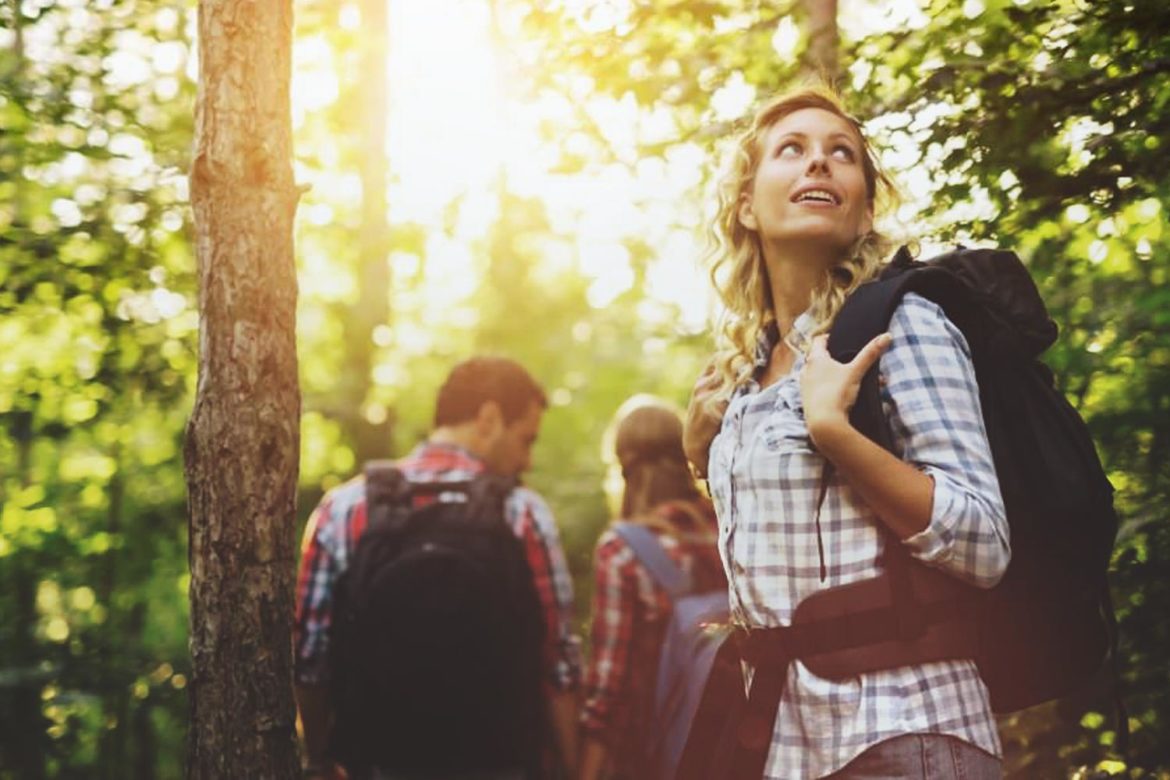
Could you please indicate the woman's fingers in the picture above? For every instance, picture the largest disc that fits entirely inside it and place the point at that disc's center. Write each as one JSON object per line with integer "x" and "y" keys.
{"x": 869, "y": 355}
{"x": 702, "y": 419}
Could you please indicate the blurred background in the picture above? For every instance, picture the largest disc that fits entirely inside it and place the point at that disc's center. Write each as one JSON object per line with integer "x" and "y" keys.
{"x": 532, "y": 178}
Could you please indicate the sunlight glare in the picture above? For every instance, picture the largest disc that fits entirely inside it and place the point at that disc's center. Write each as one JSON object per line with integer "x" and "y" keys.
{"x": 349, "y": 17}
{"x": 448, "y": 128}
{"x": 609, "y": 265}
{"x": 462, "y": 130}
{"x": 315, "y": 85}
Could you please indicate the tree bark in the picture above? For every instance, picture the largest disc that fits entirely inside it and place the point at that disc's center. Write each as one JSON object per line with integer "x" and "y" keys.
{"x": 243, "y": 437}
{"x": 822, "y": 57}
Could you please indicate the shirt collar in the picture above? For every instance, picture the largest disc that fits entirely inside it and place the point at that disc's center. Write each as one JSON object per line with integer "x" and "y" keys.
{"x": 458, "y": 455}
{"x": 799, "y": 338}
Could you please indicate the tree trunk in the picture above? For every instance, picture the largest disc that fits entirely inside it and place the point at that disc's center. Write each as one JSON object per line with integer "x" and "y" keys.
{"x": 822, "y": 58}
{"x": 243, "y": 437}
{"x": 370, "y": 437}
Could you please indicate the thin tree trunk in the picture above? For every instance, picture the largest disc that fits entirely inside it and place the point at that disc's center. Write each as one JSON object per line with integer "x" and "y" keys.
{"x": 243, "y": 437}
{"x": 370, "y": 437}
{"x": 26, "y": 735}
{"x": 111, "y": 658}
{"x": 822, "y": 57}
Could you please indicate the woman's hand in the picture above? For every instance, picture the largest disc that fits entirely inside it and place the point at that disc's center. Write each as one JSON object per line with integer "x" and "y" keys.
{"x": 828, "y": 389}
{"x": 703, "y": 419}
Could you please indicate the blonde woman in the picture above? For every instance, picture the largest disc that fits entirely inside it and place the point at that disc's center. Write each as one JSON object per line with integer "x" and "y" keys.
{"x": 803, "y": 499}
{"x": 630, "y": 608}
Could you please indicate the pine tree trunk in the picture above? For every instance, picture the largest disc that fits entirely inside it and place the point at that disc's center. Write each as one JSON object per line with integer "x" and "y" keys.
{"x": 243, "y": 437}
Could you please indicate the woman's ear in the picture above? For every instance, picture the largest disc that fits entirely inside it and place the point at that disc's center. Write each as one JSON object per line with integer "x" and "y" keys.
{"x": 867, "y": 221}
{"x": 746, "y": 213}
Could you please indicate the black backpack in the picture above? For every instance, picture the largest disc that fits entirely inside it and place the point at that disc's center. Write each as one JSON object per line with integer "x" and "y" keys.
{"x": 435, "y": 646}
{"x": 1048, "y": 626}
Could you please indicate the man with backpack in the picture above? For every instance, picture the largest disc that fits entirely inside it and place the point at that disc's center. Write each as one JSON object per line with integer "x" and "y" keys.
{"x": 429, "y": 692}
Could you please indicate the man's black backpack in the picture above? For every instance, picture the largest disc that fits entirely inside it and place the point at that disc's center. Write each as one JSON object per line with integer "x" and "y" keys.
{"x": 1048, "y": 626}
{"x": 435, "y": 646}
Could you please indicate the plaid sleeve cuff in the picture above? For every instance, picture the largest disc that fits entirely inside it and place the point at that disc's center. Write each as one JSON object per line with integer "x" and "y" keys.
{"x": 933, "y": 544}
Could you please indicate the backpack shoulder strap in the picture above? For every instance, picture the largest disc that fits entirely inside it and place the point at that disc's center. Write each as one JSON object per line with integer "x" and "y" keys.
{"x": 868, "y": 310}
{"x": 387, "y": 489}
{"x": 866, "y": 313}
{"x": 649, "y": 551}
{"x": 487, "y": 495}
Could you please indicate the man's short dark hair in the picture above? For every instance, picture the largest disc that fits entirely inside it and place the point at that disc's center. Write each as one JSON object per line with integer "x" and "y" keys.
{"x": 481, "y": 379}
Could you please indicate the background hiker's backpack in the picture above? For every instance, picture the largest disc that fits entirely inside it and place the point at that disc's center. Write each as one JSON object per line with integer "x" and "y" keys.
{"x": 1048, "y": 626}
{"x": 693, "y": 636}
{"x": 435, "y": 646}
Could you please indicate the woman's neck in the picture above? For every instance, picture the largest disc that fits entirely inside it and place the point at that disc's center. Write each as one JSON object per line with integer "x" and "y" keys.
{"x": 792, "y": 283}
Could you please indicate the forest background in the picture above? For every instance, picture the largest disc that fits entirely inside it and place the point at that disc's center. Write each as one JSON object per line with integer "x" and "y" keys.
{"x": 531, "y": 178}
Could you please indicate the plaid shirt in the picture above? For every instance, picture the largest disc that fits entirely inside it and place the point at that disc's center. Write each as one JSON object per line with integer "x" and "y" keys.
{"x": 340, "y": 519}
{"x": 630, "y": 612}
{"x": 765, "y": 474}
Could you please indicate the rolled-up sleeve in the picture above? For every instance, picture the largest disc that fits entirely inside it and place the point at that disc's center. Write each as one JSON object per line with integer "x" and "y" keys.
{"x": 532, "y": 520}
{"x": 314, "y": 599}
{"x": 614, "y": 605}
{"x": 931, "y": 399}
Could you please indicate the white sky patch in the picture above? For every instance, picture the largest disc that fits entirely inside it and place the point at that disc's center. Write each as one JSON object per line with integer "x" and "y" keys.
{"x": 972, "y": 9}
{"x": 785, "y": 39}
{"x": 733, "y": 99}
{"x": 349, "y": 17}
{"x": 677, "y": 277}
{"x": 315, "y": 85}
{"x": 858, "y": 18}
{"x": 168, "y": 56}
{"x": 609, "y": 265}
{"x": 451, "y": 270}
{"x": 1078, "y": 133}
{"x": 66, "y": 212}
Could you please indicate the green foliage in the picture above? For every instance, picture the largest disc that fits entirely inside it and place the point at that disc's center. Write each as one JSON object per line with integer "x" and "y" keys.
{"x": 95, "y": 292}
{"x": 1038, "y": 125}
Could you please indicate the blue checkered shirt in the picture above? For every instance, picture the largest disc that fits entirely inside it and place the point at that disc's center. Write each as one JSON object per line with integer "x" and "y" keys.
{"x": 765, "y": 477}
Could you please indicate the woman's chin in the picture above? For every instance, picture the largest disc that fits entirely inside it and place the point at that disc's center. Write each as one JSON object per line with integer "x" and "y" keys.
{"x": 819, "y": 239}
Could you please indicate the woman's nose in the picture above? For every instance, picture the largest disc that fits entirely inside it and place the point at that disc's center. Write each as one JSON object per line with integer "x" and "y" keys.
{"x": 818, "y": 161}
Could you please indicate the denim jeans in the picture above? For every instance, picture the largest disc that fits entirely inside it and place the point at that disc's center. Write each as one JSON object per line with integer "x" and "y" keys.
{"x": 922, "y": 757}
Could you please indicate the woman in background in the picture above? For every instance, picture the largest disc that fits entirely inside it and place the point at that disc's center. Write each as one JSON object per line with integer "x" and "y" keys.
{"x": 630, "y": 609}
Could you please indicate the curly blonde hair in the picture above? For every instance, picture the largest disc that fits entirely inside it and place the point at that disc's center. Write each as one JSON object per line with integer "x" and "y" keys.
{"x": 737, "y": 261}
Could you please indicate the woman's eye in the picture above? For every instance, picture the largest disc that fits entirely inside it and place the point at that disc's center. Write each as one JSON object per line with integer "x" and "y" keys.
{"x": 844, "y": 153}
{"x": 788, "y": 149}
